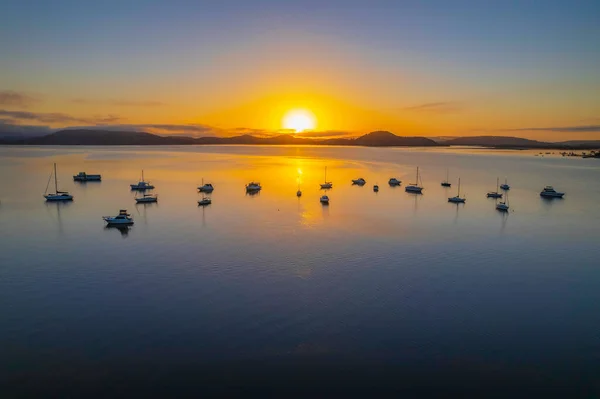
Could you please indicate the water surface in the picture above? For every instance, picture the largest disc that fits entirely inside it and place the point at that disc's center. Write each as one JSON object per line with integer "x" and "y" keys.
{"x": 375, "y": 292}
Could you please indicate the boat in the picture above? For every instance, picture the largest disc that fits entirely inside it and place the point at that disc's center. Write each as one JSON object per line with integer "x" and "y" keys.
{"x": 495, "y": 194}
{"x": 57, "y": 195}
{"x": 505, "y": 186}
{"x": 360, "y": 181}
{"x": 324, "y": 200}
{"x": 206, "y": 188}
{"x": 394, "y": 182}
{"x": 205, "y": 201}
{"x": 376, "y": 188}
{"x": 82, "y": 176}
{"x": 253, "y": 187}
{"x": 123, "y": 219}
{"x": 298, "y": 193}
{"x": 414, "y": 188}
{"x": 503, "y": 205}
{"x": 457, "y": 199}
{"x": 142, "y": 184}
{"x": 326, "y": 184}
{"x": 147, "y": 198}
{"x": 446, "y": 183}
{"x": 550, "y": 192}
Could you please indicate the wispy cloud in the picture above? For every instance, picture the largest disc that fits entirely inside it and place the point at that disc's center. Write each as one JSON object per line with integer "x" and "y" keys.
{"x": 440, "y": 107}
{"x": 561, "y": 129}
{"x": 116, "y": 102}
{"x": 15, "y": 99}
{"x": 55, "y": 117}
{"x": 193, "y": 130}
{"x": 325, "y": 134}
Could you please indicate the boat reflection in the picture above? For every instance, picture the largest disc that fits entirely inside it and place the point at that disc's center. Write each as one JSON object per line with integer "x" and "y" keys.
{"x": 124, "y": 230}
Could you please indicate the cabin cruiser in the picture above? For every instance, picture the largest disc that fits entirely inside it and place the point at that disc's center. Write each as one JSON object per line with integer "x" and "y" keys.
{"x": 142, "y": 185}
{"x": 324, "y": 200}
{"x": 123, "y": 219}
{"x": 502, "y": 206}
{"x": 253, "y": 187}
{"x": 205, "y": 201}
{"x": 360, "y": 181}
{"x": 82, "y": 176}
{"x": 376, "y": 188}
{"x": 394, "y": 182}
{"x": 206, "y": 188}
{"x": 147, "y": 198}
{"x": 57, "y": 195}
{"x": 550, "y": 192}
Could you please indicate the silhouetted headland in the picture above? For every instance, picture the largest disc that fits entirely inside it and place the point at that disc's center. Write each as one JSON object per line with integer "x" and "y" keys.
{"x": 92, "y": 137}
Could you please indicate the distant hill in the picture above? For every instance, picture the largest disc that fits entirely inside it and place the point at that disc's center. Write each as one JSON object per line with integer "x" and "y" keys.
{"x": 388, "y": 139}
{"x": 581, "y": 143}
{"x": 498, "y": 142}
{"x": 107, "y": 137}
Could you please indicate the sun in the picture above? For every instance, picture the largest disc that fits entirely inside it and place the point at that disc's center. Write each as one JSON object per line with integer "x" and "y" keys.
{"x": 299, "y": 120}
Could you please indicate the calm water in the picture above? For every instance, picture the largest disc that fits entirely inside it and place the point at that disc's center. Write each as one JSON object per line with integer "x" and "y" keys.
{"x": 376, "y": 292}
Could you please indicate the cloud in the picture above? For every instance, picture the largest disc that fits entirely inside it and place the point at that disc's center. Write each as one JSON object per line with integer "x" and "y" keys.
{"x": 441, "y": 107}
{"x": 8, "y": 128}
{"x": 194, "y": 130}
{"x": 56, "y": 117}
{"x": 15, "y": 99}
{"x": 118, "y": 103}
{"x": 561, "y": 129}
{"x": 325, "y": 134}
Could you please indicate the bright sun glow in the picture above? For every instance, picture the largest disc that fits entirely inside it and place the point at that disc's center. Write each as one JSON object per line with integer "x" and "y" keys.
{"x": 299, "y": 120}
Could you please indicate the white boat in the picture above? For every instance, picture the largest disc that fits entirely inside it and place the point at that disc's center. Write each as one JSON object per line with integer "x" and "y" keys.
{"x": 324, "y": 200}
{"x": 253, "y": 187}
{"x": 147, "y": 198}
{"x": 360, "y": 181}
{"x": 415, "y": 188}
{"x": 142, "y": 184}
{"x": 550, "y": 192}
{"x": 446, "y": 183}
{"x": 376, "y": 188}
{"x": 205, "y": 201}
{"x": 206, "y": 188}
{"x": 495, "y": 194}
{"x": 82, "y": 176}
{"x": 326, "y": 184}
{"x": 505, "y": 186}
{"x": 56, "y": 195}
{"x": 457, "y": 199}
{"x": 123, "y": 219}
{"x": 394, "y": 182}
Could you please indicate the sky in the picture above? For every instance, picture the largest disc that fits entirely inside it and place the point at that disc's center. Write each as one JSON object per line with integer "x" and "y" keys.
{"x": 203, "y": 68}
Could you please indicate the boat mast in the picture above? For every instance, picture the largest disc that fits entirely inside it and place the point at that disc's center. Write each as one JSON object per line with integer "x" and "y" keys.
{"x": 417, "y": 180}
{"x": 55, "y": 180}
{"x": 325, "y": 174}
{"x": 142, "y": 174}
{"x": 458, "y": 187}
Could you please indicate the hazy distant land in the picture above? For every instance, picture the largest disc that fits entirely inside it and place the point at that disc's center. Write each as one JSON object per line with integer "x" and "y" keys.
{"x": 373, "y": 139}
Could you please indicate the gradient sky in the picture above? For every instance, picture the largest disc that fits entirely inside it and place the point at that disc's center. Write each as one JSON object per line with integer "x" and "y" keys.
{"x": 435, "y": 68}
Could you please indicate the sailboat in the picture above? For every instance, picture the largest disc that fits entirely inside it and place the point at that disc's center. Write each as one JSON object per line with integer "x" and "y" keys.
{"x": 57, "y": 195}
{"x": 505, "y": 186}
{"x": 142, "y": 184}
{"x": 495, "y": 194}
{"x": 415, "y": 188}
{"x": 457, "y": 199}
{"x": 446, "y": 183}
{"x": 503, "y": 205}
{"x": 326, "y": 184}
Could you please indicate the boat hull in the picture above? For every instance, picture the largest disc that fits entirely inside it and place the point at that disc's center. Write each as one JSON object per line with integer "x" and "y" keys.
{"x": 141, "y": 188}
{"x": 414, "y": 189}
{"x": 551, "y": 195}
{"x": 146, "y": 200}
{"x": 446, "y": 185}
{"x": 56, "y": 198}
{"x": 502, "y": 207}
{"x": 204, "y": 203}
{"x": 87, "y": 178}
{"x": 494, "y": 195}
{"x": 326, "y": 185}
{"x": 457, "y": 200}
